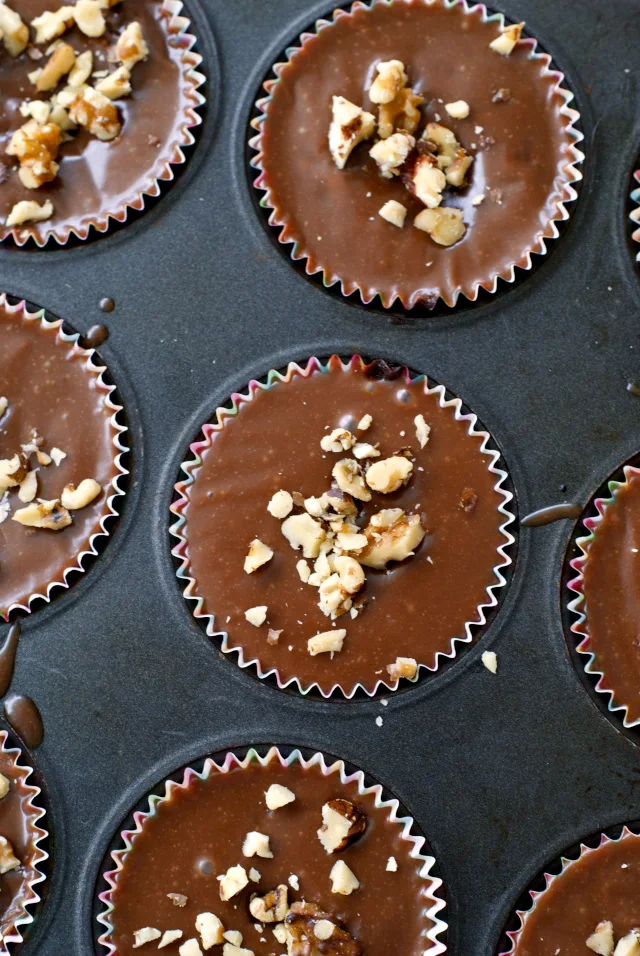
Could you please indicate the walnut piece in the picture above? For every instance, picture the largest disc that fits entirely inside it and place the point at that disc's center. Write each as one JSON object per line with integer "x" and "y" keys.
{"x": 327, "y": 642}
{"x": 444, "y": 225}
{"x": 13, "y": 471}
{"x": 13, "y": 32}
{"x": 340, "y": 439}
{"x": 468, "y": 500}
{"x": 170, "y": 936}
{"x": 81, "y": 70}
{"x": 256, "y": 615}
{"x": 4, "y": 786}
{"x": 301, "y": 936}
{"x": 390, "y": 80}
{"x": 28, "y": 487}
{"x": 190, "y": 947}
{"x": 116, "y": 84}
{"x": 303, "y": 531}
{"x": 278, "y": 796}
{"x": 36, "y": 148}
{"x": 50, "y": 24}
{"x": 457, "y": 110}
{"x": 450, "y": 155}
{"x": 74, "y": 498}
{"x": 506, "y": 42}
{"x": 395, "y": 213}
{"x": 425, "y": 180}
{"x": 401, "y": 113}
{"x": 44, "y": 514}
{"x": 396, "y": 542}
{"x": 259, "y": 554}
{"x": 350, "y": 125}
{"x": 232, "y": 882}
{"x": 490, "y": 661}
{"x": 391, "y": 153}
{"x": 257, "y": 844}
{"x": 343, "y": 880}
{"x": 350, "y": 572}
{"x": 96, "y": 113}
{"x": 343, "y": 822}
{"x": 131, "y": 46}
{"x": 8, "y": 859}
{"x": 422, "y": 430}
{"x": 389, "y": 474}
{"x": 403, "y": 667}
{"x": 210, "y": 929}
{"x": 272, "y": 907}
{"x": 348, "y": 476}
{"x": 364, "y": 423}
{"x": 281, "y": 504}
{"x": 178, "y": 899}
{"x": 28, "y": 210}
{"x": 601, "y": 940}
{"x": 629, "y": 945}
{"x": 89, "y": 18}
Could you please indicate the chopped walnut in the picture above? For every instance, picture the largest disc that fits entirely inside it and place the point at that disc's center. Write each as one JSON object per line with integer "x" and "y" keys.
{"x": 343, "y": 879}
{"x": 4, "y": 404}
{"x": 28, "y": 210}
{"x": 36, "y": 147}
{"x": 392, "y": 865}
{"x": 191, "y": 947}
{"x": 350, "y": 572}
{"x": 257, "y": 844}
{"x": 366, "y": 449}
{"x": 396, "y": 542}
{"x": 170, "y": 936}
{"x": 457, "y": 110}
{"x": 272, "y": 907}
{"x": 503, "y": 95}
{"x": 50, "y": 24}
{"x": 394, "y": 212}
{"x": 44, "y": 514}
{"x": 364, "y": 423}
{"x": 116, "y": 84}
{"x": 301, "y": 937}
{"x": 403, "y": 667}
{"x": 391, "y": 153}
{"x": 145, "y": 935}
{"x": 131, "y": 46}
{"x": 601, "y": 940}
{"x": 273, "y": 636}
{"x": 256, "y": 615}
{"x": 327, "y": 642}
{"x": 506, "y": 42}
{"x": 74, "y": 498}
{"x": 96, "y": 113}
{"x": 390, "y": 80}
{"x": 4, "y": 786}
{"x": 303, "y": 531}
{"x": 342, "y": 823}
{"x": 490, "y": 661}
{"x": 440, "y": 141}
{"x": 232, "y": 882}
{"x": 350, "y": 125}
{"x": 58, "y": 65}
{"x": 422, "y": 430}
{"x": 28, "y": 487}
{"x": 81, "y": 70}
{"x": 210, "y": 929}
{"x": 278, "y": 796}
{"x": 13, "y": 32}
{"x": 340, "y": 439}
{"x": 8, "y": 859}
{"x": 388, "y": 475}
{"x": 425, "y": 180}
{"x": 281, "y": 504}
{"x": 13, "y": 471}
{"x": 348, "y": 475}
{"x": 629, "y": 945}
{"x": 178, "y": 899}
{"x": 89, "y": 18}
{"x": 401, "y": 113}
{"x": 457, "y": 171}
{"x": 259, "y": 554}
{"x": 468, "y": 500}
{"x": 445, "y": 225}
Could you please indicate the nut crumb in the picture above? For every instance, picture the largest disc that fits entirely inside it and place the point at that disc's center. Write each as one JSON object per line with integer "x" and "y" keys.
{"x": 327, "y": 642}
{"x": 394, "y": 212}
{"x": 458, "y": 110}
{"x": 258, "y": 555}
{"x": 178, "y": 899}
{"x": 403, "y": 667}
{"x": 444, "y": 225}
{"x": 422, "y": 430}
{"x": 392, "y": 865}
{"x": 506, "y": 42}
{"x": 350, "y": 125}
{"x": 490, "y": 661}
{"x": 256, "y": 615}
{"x": 145, "y": 935}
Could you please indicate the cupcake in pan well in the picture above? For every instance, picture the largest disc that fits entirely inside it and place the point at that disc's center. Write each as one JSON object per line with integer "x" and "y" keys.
{"x": 415, "y": 150}
{"x": 608, "y": 602}
{"x": 269, "y": 855}
{"x": 325, "y": 526}
{"x": 21, "y": 856}
{"x": 590, "y": 906}
{"x": 97, "y": 101}
{"x": 60, "y": 456}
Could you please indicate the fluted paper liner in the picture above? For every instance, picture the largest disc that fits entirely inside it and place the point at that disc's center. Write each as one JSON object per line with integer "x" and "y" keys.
{"x": 175, "y": 25}
{"x": 577, "y": 605}
{"x": 192, "y": 464}
{"x": 634, "y": 215}
{"x": 286, "y": 235}
{"x": 11, "y": 932}
{"x": 93, "y": 368}
{"x": 549, "y": 879}
{"x": 405, "y": 823}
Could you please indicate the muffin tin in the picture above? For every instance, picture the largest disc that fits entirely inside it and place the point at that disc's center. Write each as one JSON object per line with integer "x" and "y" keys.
{"x": 501, "y": 772}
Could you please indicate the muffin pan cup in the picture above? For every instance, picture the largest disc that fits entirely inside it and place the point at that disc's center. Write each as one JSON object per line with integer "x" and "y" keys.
{"x": 500, "y": 772}
{"x": 435, "y": 905}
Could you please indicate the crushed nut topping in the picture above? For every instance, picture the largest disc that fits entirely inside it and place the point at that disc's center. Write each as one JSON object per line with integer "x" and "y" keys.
{"x": 232, "y": 882}
{"x": 422, "y": 430}
{"x": 4, "y": 786}
{"x": 490, "y": 661}
{"x": 259, "y": 554}
{"x": 403, "y": 667}
{"x": 95, "y": 113}
{"x": 145, "y": 935}
{"x": 350, "y": 125}
{"x": 178, "y": 899}
{"x": 256, "y": 615}
{"x": 388, "y": 475}
{"x": 401, "y": 114}
{"x": 36, "y": 148}
{"x": 281, "y": 504}
{"x": 43, "y": 514}
{"x": 327, "y": 642}
{"x": 457, "y": 110}
{"x": 116, "y": 85}
{"x": 390, "y": 154}
{"x": 8, "y": 859}
{"x": 343, "y": 822}
{"x": 210, "y": 929}
{"x": 74, "y": 498}
{"x": 13, "y": 32}
{"x": 131, "y": 46}
{"x": 257, "y": 844}
{"x": 272, "y": 907}
{"x": 52, "y": 24}
{"x": 445, "y": 225}
{"x": 390, "y": 80}
{"x": 393, "y": 212}
{"x": 340, "y": 439}
{"x": 602, "y": 940}
{"x": 170, "y": 936}
{"x": 343, "y": 879}
{"x": 301, "y": 938}
{"x": 506, "y": 42}
{"x": 392, "y": 865}
{"x": 395, "y": 542}
{"x": 278, "y": 796}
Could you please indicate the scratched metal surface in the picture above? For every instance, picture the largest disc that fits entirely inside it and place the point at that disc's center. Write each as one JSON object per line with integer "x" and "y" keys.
{"x": 501, "y": 772}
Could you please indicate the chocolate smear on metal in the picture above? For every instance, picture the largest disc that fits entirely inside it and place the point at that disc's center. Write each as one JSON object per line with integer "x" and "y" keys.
{"x": 24, "y": 717}
{"x": 8, "y": 657}
{"x": 552, "y": 513}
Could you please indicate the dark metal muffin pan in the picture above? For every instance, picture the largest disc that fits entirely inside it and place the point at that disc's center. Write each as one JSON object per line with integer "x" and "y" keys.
{"x": 501, "y": 772}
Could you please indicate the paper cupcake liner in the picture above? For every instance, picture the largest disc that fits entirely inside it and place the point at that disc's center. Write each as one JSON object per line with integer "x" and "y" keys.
{"x": 231, "y": 761}
{"x": 549, "y": 879}
{"x": 176, "y": 26}
{"x": 577, "y": 605}
{"x": 11, "y": 932}
{"x": 634, "y": 215}
{"x": 347, "y": 287}
{"x": 97, "y": 370}
{"x": 190, "y": 468}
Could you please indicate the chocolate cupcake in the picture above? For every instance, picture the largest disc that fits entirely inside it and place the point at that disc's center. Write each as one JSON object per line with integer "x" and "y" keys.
{"x": 60, "y": 456}
{"x": 591, "y": 905}
{"x": 21, "y": 833}
{"x": 97, "y": 101}
{"x": 411, "y": 150}
{"x": 324, "y": 526}
{"x": 265, "y": 853}
{"x": 608, "y": 602}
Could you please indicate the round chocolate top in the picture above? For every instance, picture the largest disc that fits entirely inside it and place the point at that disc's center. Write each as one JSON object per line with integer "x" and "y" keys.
{"x": 97, "y": 179}
{"x": 18, "y": 819}
{"x": 612, "y": 596}
{"x": 49, "y": 388}
{"x": 198, "y": 833}
{"x": 414, "y": 608}
{"x": 601, "y": 885}
{"x": 522, "y": 153}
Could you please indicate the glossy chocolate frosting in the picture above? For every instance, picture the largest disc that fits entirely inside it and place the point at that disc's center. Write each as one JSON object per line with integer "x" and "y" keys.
{"x": 612, "y": 596}
{"x": 198, "y": 833}
{"x": 97, "y": 178}
{"x": 17, "y": 825}
{"x": 333, "y": 214}
{"x": 415, "y": 608}
{"x": 601, "y": 885}
{"x": 50, "y": 389}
